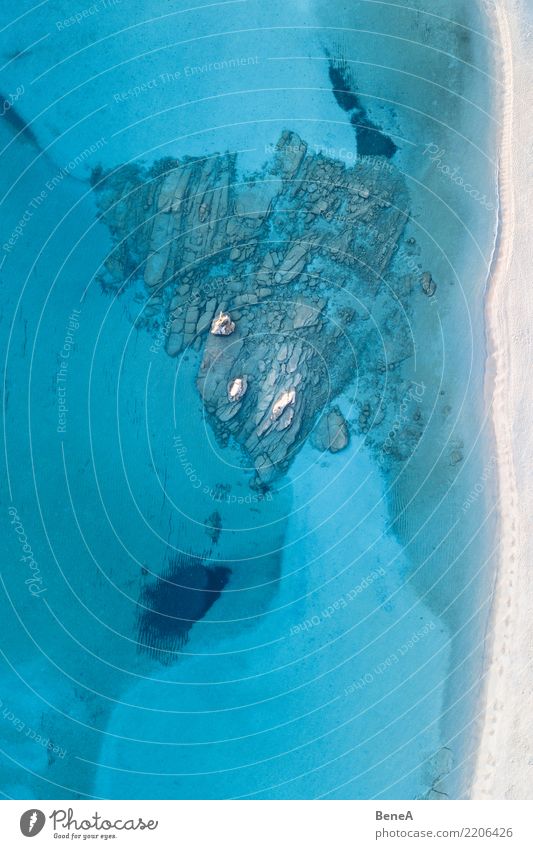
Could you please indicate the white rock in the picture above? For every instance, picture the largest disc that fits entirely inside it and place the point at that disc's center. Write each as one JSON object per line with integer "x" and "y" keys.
{"x": 285, "y": 399}
{"x": 222, "y": 325}
{"x": 237, "y": 388}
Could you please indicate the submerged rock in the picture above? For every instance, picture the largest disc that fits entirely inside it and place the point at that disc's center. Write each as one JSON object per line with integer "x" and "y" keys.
{"x": 173, "y": 601}
{"x": 429, "y": 287}
{"x": 456, "y": 457}
{"x": 297, "y": 255}
{"x": 213, "y": 525}
{"x": 331, "y": 432}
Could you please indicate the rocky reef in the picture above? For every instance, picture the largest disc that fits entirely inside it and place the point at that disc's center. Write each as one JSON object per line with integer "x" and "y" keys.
{"x": 285, "y": 280}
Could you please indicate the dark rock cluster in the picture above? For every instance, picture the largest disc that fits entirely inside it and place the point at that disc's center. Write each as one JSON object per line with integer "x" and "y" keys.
{"x": 293, "y": 265}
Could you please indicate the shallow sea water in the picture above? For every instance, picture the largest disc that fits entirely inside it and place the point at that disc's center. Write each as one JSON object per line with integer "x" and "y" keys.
{"x": 333, "y": 647}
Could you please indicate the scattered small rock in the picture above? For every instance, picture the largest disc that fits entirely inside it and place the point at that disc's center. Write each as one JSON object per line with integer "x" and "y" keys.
{"x": 331, "y": 433}
{"x": 429, "y": 287}
{"x": 213, "y": 525}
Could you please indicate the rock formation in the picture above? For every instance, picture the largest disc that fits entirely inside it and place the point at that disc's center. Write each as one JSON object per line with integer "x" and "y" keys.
{"x": 285, "y": 268}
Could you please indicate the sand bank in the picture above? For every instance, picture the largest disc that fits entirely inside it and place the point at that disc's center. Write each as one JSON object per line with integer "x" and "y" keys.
{"x": 504, "y": 767}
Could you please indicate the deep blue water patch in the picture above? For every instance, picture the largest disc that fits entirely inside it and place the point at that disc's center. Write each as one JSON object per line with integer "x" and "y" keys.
{"x": 17, "y": 123}
{"x": 178, "y": 598}
{"x": 371, "y": 141}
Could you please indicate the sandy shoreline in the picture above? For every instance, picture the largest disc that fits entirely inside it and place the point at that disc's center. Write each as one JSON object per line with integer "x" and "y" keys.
{"x": 504, "y": 768}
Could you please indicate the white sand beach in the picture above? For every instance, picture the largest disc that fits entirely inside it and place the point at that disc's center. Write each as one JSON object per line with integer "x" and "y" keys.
{"x": 504, "y": 767}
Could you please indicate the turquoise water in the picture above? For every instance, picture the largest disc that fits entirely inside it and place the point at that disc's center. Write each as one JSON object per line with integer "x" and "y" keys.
{"x": 326, "y": 640}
